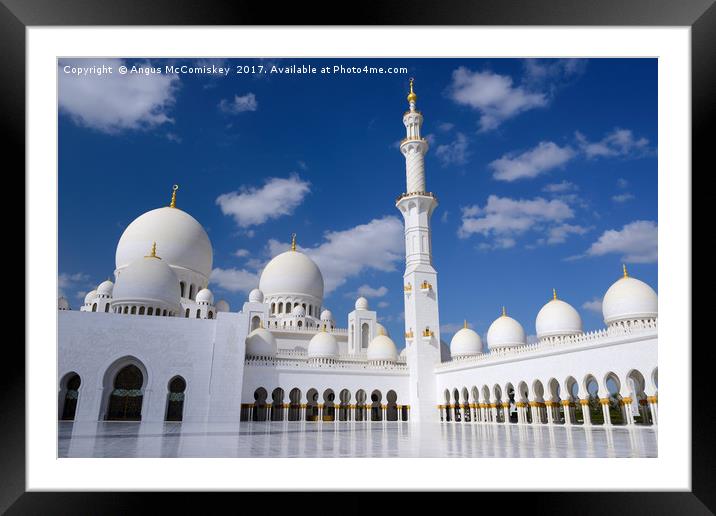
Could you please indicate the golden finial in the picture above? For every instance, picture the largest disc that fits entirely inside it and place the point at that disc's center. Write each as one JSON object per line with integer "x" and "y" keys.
{"x": 464, "y": 323}
{"x": 153, "y": 253}
{"x": 293, "y": 241}
{"x": 504, "y": 312}
{"x": 554, "y": 294}
{"x": 412, "y": 97}
{"x": 626, "y": 274}
{"x": 173, "y": 204}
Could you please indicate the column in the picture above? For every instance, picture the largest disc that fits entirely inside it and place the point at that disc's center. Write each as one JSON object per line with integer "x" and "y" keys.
{"x": 251, "y": 412}
{"x": 550, "y": 412}
{"x": 302, "y": 412}
{"x": 506, "y": 413}
{"x": 566, "y": 406}
{"x": 320, "y": 412}
{"x": 585, "y": 412}
{"x": 604, "y": 402}
{"x": 654, "y": 407}
{"x": 384, "y": 409}
{"x": 493, "y": 412}
{"x": 625, "y": 405}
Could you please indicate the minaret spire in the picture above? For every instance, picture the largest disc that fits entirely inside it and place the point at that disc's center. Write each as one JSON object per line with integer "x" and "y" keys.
{"x": 626, "y": 274}
{"x": 293, "y": 241}
{"x": 173, "y": 203}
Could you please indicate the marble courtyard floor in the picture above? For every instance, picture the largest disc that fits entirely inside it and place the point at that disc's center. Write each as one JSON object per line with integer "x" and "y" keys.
{"x": 346, "y": 439}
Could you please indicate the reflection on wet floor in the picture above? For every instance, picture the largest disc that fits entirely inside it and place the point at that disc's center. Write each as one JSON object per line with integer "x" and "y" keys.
{"x": 357, "y": 439}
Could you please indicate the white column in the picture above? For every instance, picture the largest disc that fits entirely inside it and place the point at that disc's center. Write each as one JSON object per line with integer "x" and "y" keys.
{"x": 605, "y": 410}
{"x": 654, "y": 407}
{"x": 585, "y": 412}
{"x": 567, "y": 412}
{"x": 550, "y": 413}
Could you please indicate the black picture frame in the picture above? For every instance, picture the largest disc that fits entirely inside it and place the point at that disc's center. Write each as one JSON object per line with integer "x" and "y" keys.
{"x": 17, "y": 15}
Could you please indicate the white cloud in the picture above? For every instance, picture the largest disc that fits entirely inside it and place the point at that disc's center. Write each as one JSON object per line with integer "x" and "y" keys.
{"x": 67, "y": 282}
{"x": 446, "y": 126}
{"x": 241, "y": 253}
{"x": 564, "y": 186}
{"x": 252, "y": 206}
{"x": 112, "y": 103}
{"x": 539, "y": 73}
{"x": 494, "y": 96}
{"x": 622, "y": 183}
{"x": 595, "y": 305}
{"x": 368, "y": 291}
{"x": 383, "y": 304}
{"x": 455, "y": 152}
{"x": 453, "y": 327}
{"x": 622, "y": 198}
{"x": 637, "y": 242}
{"x": 559, "y": 234}
{"x": 618, "y": 143}
{"x": 542, "y": 158}
{"x": 235, "y": 280}
{"x": 503, "y": 218}
{"x": 239, "y": 104}
{"x": 377, "y": 245}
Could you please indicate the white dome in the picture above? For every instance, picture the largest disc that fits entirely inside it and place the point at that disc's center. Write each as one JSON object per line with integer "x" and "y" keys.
{"x": 256, "y": 296}
{"x": 382, "y": 348}
{"x": 299, "y": 311}
{"x": 205, "y": 296}
{"x": 505, "y": 332}
{"x": 260, "y": 343}
{"x": 148, "y": 280}
{"x": 629, "y": 298}
{"x": 63, "y": 304}
{"x": 361, "y": 303}
{"x": 292, "y": 273}
{"x": 323, "y": 345}
{"x": 465, "y": 342}
{"x": 89, "y": 297}
{"x": 558, "y": 318}
{"x": 181, "y": 240}
{"x": 327, "y": 316}
{"x": 380, "y": 329}
{"x": 105, "y": 288}
{"x": 222, "y": 306}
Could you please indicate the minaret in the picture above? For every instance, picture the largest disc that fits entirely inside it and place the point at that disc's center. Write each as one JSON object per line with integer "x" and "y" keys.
{"x": 422, "y": 321}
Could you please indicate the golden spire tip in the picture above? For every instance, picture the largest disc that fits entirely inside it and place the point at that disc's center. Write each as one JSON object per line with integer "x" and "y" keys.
{"x": 293, "y": 241}
{"x": 554, "y": 293}
{"x": 464, "y": 323}
{"x": 412, "y": 97}
{"x": 173, "y": 203}
{"x": 504, "y": 312}
{"x": 626, "y": 274}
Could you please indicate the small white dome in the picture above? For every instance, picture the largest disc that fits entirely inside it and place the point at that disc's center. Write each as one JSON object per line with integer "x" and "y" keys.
{"x": 505, "y": 332}
{"x": 105, "y": 288}
{"x": 222, "y": 306}
{"x": 465, "y": 342}
{"x": 182, "y": 241}
{"x": 292, "y": 273}
{"x": 323, "y": 345}
{"x": 148, "y": 280}
{"x": 558, "y": 318}
{"x": 361, "y": 303}
{"x": 261, "y": 343}
{"x": 63, "y": 304}
{"x": 380, "y": 329}
{"x": 205, "y": 296}
{"x": 89, "y": 297}
{"x": 256, "y": 296}
{"x": 628, "y": 299}
{"x": 382, "y": 348}
{"x": 327, "y": 316}
{"x": 299, "y": 311}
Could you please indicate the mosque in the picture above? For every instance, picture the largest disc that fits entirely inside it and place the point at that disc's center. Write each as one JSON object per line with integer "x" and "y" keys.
{"x": 155, "y": 345}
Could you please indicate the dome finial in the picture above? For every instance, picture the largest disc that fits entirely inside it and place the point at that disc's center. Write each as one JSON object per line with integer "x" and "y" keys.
{"x": 153, "y": 252}
{"x": 412, "y": 97}
{"x": 464, "y": 323}
{"x": 504, "y": 312}
{"x": 554, "y": 294}
{"x": 293, "y": 241}
{"x": 173, "y": 203}
{"x": 626, "y": 274}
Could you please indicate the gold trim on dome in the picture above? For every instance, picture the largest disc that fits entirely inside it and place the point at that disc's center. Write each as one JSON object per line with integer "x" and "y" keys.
{"x": 173, "y": 203}
{"x": 626, "y": 274}
{"x": 554, "y": 294}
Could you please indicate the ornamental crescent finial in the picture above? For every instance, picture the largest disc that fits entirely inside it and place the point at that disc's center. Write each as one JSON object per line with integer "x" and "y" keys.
{"x": 554, "y": 294}
{"x": 504, "y": 312}
{"x": 153, "y": 252}
{"x": 173, "y": 203}
{"x": 293, "y": 241}
{"x": 412, "y": 97}
{"x": 626, "y": 274}
{"x": 464, "y": 323}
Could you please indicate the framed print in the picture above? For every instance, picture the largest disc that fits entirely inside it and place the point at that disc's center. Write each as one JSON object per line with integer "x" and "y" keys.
{"x": 456, "y": 242}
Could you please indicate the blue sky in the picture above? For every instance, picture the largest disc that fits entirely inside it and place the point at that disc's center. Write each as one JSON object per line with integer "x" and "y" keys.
{"x": 545, "y": 171}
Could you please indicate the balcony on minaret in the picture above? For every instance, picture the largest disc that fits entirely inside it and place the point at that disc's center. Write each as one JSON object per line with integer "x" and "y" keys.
{"x": 408, "y": 288}
{"x": 427, "y": 333}
{"x": 409, "y": 334}
{"x": 425, "y": 286}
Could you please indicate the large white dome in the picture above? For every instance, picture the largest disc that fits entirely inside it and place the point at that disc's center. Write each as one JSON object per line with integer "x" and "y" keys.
{"x": 465, "y": 342}
{"x": 205, "y": 296}
{"x": 261, "y": 343}
{"x": 558, "y": 318}
{"x": 180, "y": 238}
{"x": 149, "y": 281}
{"x": 323, "y": 345}
{"x": 505, "y": 332}
{"x": 292, "y": 273}
{"x": 382, "y": 348}
{"x": 628, "y": 299}
{"x": 89, "y": 297}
